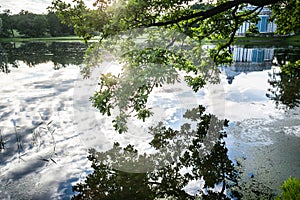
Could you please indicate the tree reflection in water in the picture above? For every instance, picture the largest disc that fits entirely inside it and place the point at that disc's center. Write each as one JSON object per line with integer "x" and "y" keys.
{"x": 34, "y": 53}
{"x": 285, "y": 85}
{"x": 195, "y": 153}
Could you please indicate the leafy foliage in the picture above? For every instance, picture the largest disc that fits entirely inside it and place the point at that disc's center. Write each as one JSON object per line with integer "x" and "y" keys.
{"x": 7, "y": 24}
{"x": 155, "y": 62}
{"x": 154, "y": 40}
{"x": 56, "y": 27}
{"x": 290, "y": 189}
{"x": 286, "y": 16}
{"x": 33, "y": 25}
{"x": 199, "y": 20}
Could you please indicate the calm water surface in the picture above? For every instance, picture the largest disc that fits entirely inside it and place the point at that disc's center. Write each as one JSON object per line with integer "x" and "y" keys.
{"x": 48, "y": 124}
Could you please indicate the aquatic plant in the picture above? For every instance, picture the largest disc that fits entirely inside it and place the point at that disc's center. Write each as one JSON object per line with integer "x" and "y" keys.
{"x": 290, "y": 190}
{"x": 45, "y": 128}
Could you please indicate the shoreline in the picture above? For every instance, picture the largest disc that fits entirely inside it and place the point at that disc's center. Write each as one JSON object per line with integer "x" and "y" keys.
{"x": 239, "y": 40}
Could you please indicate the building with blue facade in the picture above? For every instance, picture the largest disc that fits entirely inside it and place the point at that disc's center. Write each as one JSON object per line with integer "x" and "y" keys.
{"x": 264, "y": 25}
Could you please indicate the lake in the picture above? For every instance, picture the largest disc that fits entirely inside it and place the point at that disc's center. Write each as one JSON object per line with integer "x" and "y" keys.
{"x": 48, "y": 125}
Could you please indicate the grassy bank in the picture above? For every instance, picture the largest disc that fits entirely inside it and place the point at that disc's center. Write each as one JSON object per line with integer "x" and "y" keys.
{"x": 44, "y": 39}
{"x": 276, "y": 40}
{"x": 294, "y": 39}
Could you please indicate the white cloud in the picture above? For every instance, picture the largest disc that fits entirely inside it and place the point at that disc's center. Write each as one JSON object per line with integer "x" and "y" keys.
{"x": 34, "y": 6}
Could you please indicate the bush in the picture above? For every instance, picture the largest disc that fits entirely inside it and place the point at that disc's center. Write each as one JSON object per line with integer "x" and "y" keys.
{"x": 290, "y": 190}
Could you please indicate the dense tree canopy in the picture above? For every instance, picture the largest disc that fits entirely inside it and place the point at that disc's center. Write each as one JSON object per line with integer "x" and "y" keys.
{"x": 31, "y": 25}
{"x": 200, "y": 18}
{"x": 56, "y": 28}
{"x": 7, "y": 24}
{"x": 28, "y": 24}
{"x": 172, "y": 32}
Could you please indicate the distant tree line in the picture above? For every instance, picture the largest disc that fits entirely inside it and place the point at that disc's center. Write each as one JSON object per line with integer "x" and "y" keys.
{"x": 61, "y": 54}
{"x": 27, "y": 24}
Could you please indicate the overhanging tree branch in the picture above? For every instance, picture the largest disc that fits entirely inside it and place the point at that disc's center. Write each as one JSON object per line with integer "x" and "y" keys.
{"x": 214, "y": 11}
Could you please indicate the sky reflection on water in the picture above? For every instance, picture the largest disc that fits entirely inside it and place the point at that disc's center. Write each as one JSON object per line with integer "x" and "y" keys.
{"x": 257, "y": 126}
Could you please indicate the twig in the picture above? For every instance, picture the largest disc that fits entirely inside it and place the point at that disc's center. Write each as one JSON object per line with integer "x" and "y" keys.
{"x": 19, "y": 144}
